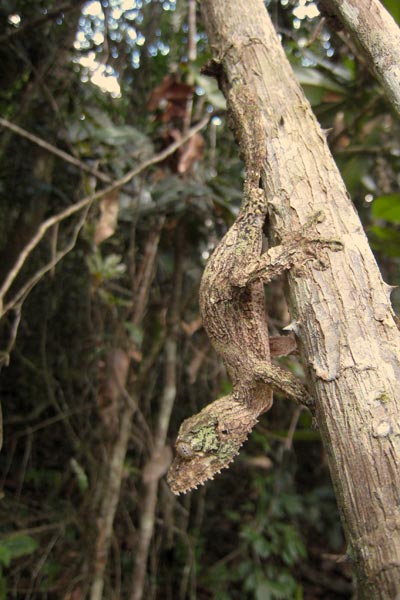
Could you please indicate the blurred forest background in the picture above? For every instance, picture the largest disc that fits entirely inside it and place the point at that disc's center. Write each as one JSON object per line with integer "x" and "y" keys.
{"x": 102, "y": 350}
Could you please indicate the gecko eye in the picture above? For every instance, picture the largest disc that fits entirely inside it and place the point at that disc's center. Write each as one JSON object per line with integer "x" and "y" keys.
{"x": 223, "y": 428}
{"x": 184, "y": 450}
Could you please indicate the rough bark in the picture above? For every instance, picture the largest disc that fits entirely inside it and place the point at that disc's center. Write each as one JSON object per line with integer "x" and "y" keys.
{"x": 342, "y": 315}
{"x": 378, "y": 36}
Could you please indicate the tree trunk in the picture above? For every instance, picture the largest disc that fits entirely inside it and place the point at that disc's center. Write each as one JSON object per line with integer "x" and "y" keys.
{"x": 378, "y": 35}
{"x": 349, "y": 342}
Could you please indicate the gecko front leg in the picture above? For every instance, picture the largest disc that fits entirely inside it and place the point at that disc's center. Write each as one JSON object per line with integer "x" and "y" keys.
{"x": 291, "y": 253}
{"x": 282, "y": 381}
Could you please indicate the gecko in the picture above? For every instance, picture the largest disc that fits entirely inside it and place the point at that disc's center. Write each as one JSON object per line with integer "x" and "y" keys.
{"x": 232, "y": 307}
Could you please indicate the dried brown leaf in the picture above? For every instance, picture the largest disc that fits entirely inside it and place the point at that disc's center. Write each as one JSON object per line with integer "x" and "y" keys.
{"x": 192, "y": 152}
{"x": 282, "y": 345}
{"x": 169, "y": 89}
{"x": 107, "y": 222}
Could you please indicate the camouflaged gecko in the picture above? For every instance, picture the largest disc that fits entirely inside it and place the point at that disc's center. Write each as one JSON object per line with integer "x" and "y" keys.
{"x": 232, "y": 306}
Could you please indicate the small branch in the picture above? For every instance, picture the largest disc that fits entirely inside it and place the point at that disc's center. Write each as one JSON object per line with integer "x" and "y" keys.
{"x": 375, "y": 31}
{"x": 5, "y": 354}
{"x": 78, "y": 206}
{"x": 374, "y": 150}
{"x": 50, "y": 148}
{"x": 168, "y": 398}
{"x": 192, "y": 54}
{"x": 20, "y": 296}
{"x": 292, "y": 428}
{"x": 109, "y": 502}
{"x": 112, "y": 486}
{"x": 145, "y": 275}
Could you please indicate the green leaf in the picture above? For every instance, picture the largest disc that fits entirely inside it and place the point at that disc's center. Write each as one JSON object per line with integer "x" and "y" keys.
{"x": 385, "y": 240}
{"x": 312, "y": 77}
{"x": 135, "y": 333}
{"x": 5, "y": 557}
{"x": 104, "y": 269}
{"x": 115, "y": 135}
{"x": 353, "y": 170}
{"x": 80, "y": 474}
{"x": 14, "y": 546}
{"x": 210, "y": 88}
{"x": 343, "y": 71}
{"x": 263, "y": 591}
{"x": 262, "y": 547}
{"x": 387, "y": 207}
{"x": 212, "y": 93}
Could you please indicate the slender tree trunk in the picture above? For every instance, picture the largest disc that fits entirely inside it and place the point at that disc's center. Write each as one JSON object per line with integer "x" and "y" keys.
{"x": 378, "y": 35}
{"x": 342, "y": 315}
{"x": 111, "y": 488}
{"x": 148, "y": 515}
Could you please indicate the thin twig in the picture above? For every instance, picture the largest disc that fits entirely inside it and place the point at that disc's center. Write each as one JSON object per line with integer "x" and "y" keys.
{"x": 146, "y": 271}
{"x": 85, "y": 202}
{"x": 112, "y": 486}
{"x": 5, "y": 354}
{"x": 54, "y": 150}
{"x": 149, "y": 504}
{"x": 192, "y": 55}
{"x": 292, "y": 428}
{"x": 20, "y": 296}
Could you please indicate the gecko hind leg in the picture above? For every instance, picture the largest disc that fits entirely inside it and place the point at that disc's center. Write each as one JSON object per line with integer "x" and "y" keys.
{"x": 282, "y": 381}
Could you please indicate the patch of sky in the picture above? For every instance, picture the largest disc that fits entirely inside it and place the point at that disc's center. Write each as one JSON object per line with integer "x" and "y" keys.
{"x": 131, "y": 34}
{"x": 306, "y": 10}
{"x": 90, "y": 37}
{"x": 14, "y": 20}
{"x": 307, "y": 62}
{"x": 131, "y": 15}
{"x": 93, "y": 9}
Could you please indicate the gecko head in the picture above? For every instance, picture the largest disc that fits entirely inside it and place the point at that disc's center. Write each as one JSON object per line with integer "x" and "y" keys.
{"x": 208, "y": 442}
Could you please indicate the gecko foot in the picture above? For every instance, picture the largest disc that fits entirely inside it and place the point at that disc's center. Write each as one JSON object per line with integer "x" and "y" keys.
{"x": 282, "y": 381}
